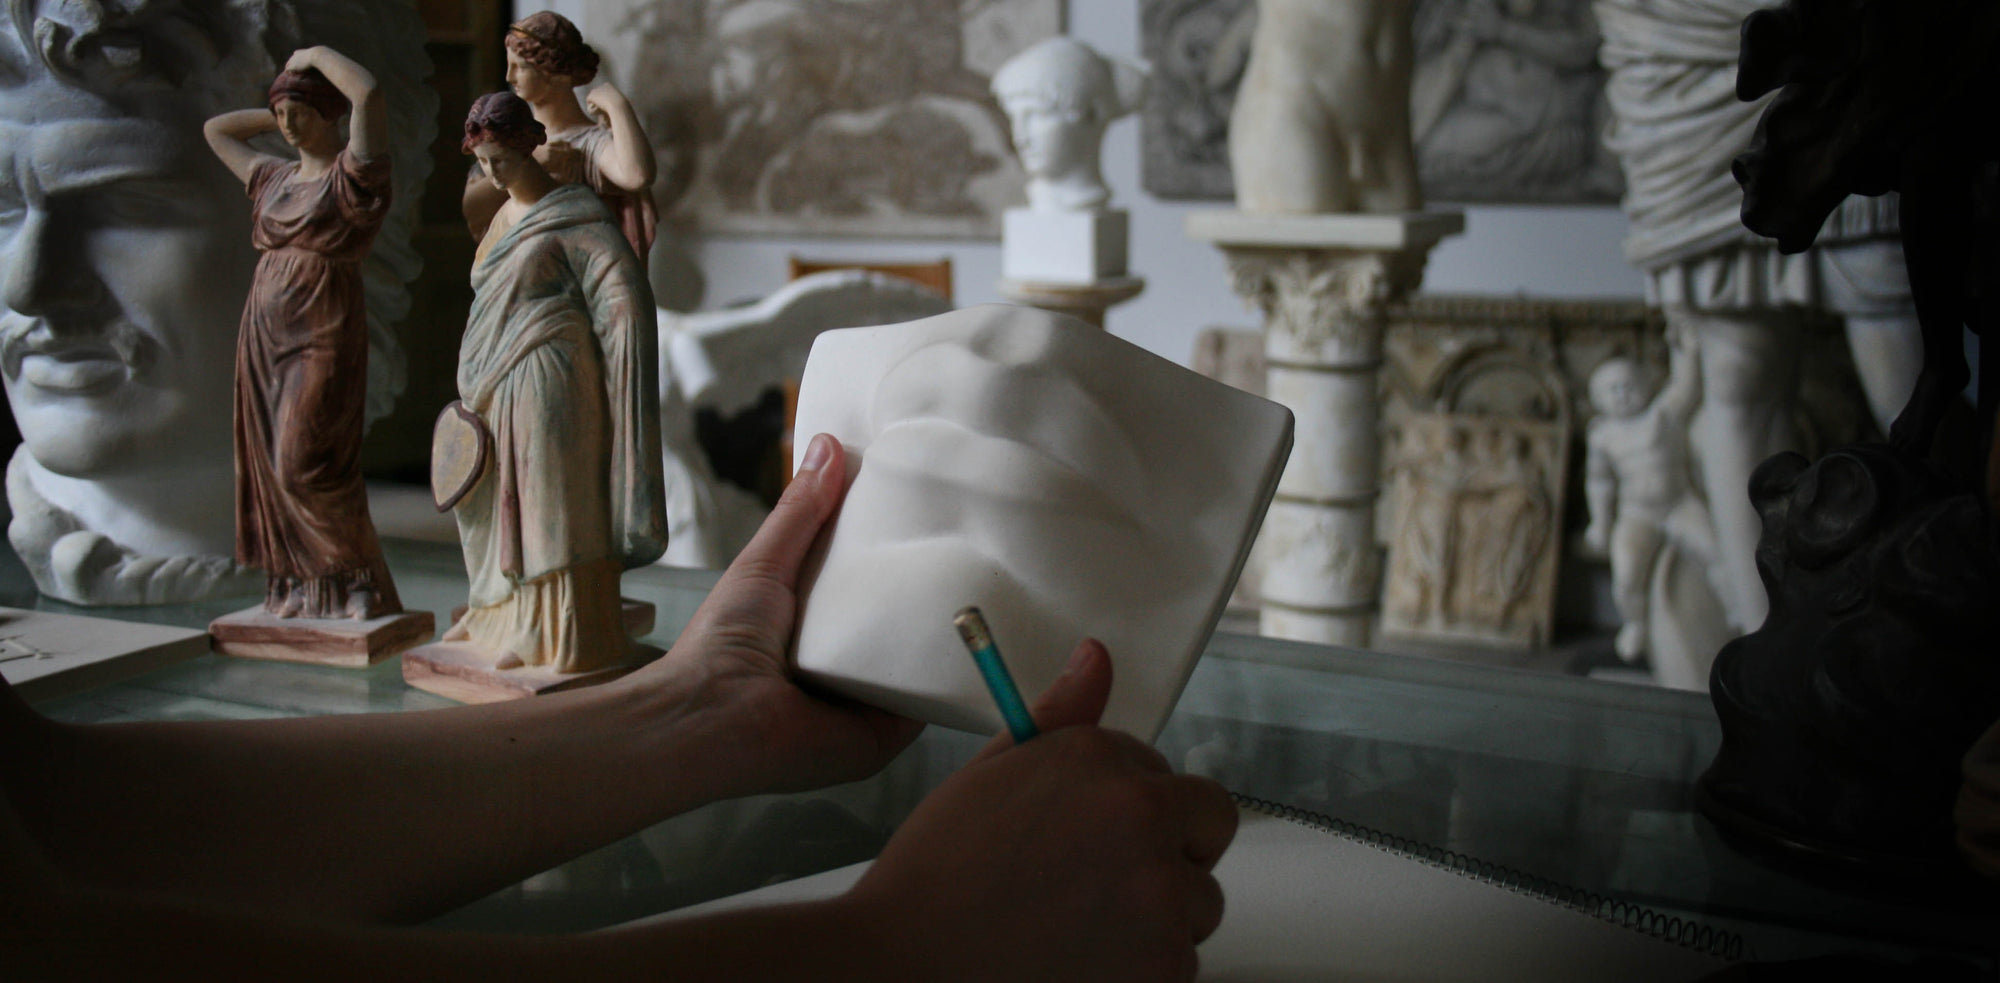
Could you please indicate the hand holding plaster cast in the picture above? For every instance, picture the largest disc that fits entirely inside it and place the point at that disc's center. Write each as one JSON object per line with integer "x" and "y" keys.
{"x": 1066, "y": 482}
{"x": 1637, "y": 479}
{"x": 1322, "y": 119}
{"x": 1059, "y": 96}
{"x": 598, "y": 142}
{"x": 126, "y": 262}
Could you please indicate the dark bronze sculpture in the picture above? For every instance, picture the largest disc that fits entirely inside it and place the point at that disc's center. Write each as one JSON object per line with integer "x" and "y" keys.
{"x": 1846, "y": 714}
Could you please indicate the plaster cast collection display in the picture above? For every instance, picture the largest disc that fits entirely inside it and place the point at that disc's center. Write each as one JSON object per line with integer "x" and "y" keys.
{"x": 1451, "y": 530}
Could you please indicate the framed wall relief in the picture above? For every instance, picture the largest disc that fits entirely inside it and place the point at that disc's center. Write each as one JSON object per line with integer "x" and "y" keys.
{"x": 1507, "y": 102}
{"x": 825, "y": 117}
{"x": 1476, "y": 530}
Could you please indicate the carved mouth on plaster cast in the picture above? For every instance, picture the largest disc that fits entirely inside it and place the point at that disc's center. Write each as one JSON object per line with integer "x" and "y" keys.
{"x": 939, "y": 450}
{"x": 1062, "y": 446}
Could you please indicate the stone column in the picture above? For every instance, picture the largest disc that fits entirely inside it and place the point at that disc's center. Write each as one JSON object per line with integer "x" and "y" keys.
{"x": 1323, "y": 283}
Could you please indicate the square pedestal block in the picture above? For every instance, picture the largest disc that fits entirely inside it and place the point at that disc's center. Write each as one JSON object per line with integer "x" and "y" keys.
{"x": 1063, "y": 247}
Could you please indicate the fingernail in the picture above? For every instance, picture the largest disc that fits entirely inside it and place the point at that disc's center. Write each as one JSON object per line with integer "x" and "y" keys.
{"x": 1076, "y": 657}
{"x": 818, "y": 453}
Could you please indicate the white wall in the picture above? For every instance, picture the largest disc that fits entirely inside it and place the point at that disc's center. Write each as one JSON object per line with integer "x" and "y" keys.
{"x": 1544, "y": 252}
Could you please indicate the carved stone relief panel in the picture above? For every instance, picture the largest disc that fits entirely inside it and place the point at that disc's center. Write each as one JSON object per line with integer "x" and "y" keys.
{"x": 1506, "y": 100}
{"x": 1476, "y": 531}
{"x": 824, "y": 117}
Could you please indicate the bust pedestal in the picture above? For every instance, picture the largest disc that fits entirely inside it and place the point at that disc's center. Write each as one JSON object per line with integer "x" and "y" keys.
{"x": 1323, "y": 283}
{"x": 1070, "y": 262}
{"x": 1087, "y": 301}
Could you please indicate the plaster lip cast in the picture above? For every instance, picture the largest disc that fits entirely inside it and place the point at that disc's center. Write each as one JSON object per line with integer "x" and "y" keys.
{"x": 1067, "y": 482}
{"x": 1003, "y": 430}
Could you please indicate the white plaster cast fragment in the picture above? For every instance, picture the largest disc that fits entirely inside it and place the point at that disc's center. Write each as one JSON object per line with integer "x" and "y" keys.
{"x": 1067, "y": 482}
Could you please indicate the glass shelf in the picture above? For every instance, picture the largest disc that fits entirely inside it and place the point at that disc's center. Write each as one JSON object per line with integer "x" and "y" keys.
{"x": 1579, "y": 782}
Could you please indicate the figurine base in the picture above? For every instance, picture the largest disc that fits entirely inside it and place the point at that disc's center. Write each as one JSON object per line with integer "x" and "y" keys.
{"x": 254, "y": 633}
{"x": 464, "y": 672}
{"x": 639, "y": 616}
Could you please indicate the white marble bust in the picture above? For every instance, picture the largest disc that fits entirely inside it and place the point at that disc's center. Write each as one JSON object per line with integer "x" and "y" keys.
{"x": 126, "y": 262}
{"x": 1065, "y": 481}
{"x": 1059, "y": 96}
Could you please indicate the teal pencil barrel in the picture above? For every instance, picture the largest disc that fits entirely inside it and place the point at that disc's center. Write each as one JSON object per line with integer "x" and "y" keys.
{"x": 979, "y": 641}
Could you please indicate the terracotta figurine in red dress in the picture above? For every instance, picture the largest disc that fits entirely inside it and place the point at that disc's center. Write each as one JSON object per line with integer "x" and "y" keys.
{"x": 302, "y": 349}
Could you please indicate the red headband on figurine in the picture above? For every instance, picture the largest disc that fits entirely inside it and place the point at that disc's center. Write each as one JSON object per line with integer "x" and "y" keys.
{"x": 311, "y": 89}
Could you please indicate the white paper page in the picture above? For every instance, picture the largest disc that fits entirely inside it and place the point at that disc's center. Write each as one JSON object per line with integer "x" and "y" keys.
{"x": 1306, "y": 906}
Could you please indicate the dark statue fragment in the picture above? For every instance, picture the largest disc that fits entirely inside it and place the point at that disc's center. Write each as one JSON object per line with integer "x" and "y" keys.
{"x": 1878, "y": 96}
{"x": 1845, "y": 716}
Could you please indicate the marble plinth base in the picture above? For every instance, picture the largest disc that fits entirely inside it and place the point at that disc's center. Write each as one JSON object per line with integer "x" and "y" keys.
{"x": 639, "y": 616}
{"x": 1087, "y": 301}
{"x": 1063, "y": 247}
{"x": 1324, "y": 284}
{"x": 464, "y": 672}
{"x": 254, "y": 633}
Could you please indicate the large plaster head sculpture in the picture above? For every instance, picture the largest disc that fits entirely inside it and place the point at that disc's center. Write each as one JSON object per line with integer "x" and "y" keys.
{"x": 1059, "y": 96}
{"x": 125, "y": 264}
{"x": 1068, "y": 483}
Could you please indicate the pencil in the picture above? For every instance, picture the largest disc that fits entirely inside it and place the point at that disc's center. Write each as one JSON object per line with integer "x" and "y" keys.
{"x": 979, "y": 641}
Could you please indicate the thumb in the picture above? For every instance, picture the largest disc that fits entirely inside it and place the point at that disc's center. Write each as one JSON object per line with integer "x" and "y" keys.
{"x": 1076, "y": 698}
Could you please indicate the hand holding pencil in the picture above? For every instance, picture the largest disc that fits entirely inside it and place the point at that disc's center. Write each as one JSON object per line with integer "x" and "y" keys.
{"x": 1075, "y": 855}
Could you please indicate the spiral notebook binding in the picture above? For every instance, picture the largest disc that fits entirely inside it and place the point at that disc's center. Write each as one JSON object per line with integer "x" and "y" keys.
{"x": 1686, "y": 933}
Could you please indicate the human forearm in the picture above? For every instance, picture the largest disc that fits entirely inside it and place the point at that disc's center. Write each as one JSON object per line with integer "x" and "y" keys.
{"x": 1601, "y": 495}
{"x": 369, "y": 816}
{"x": 88, "y": 934}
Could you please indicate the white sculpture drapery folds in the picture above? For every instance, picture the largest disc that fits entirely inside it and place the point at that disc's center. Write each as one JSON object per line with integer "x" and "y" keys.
{"x": 1677, "y": 126}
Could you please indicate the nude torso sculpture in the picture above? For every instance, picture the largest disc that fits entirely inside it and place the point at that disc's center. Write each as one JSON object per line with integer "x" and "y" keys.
{"x": 1322, "y": 120}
